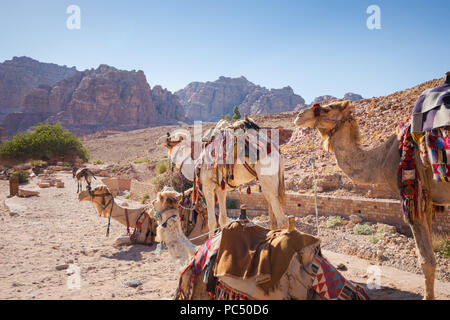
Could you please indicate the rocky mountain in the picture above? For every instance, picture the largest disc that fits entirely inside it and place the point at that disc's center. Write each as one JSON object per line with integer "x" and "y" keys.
{"x": 208, "y": 101}
{"x": 98, "y": 99}
{"x": 20, "y": 75}
{"x": 352, "y": 96}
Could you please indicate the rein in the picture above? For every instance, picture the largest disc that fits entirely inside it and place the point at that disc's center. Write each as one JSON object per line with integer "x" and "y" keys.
{"x": 105, "y": 205}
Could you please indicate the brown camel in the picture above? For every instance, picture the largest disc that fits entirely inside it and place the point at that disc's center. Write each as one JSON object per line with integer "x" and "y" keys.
{"x": 340, "y": 134}
{"x": 105, "y": 204}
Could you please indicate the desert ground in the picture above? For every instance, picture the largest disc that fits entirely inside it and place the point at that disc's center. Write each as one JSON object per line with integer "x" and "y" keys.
{"x": 50, "y": 236}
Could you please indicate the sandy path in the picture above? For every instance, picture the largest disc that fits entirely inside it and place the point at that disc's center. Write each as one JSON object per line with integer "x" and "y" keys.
{"x": 56, "y": 229}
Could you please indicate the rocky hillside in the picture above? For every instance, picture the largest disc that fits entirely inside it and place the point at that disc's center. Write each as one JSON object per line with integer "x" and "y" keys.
{"x": 377, "y": 117}
{"x": 208, "y": 101}
{"x": 327, "y": 98}
{"x": 98, "y": 99}
{"x": 20, "y": 75}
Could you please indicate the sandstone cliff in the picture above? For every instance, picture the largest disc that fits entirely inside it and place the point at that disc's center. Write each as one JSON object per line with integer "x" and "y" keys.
{"x": 20, "y": 75}
{"x": 98, "y": 99}
{"x": 210, "y": 100}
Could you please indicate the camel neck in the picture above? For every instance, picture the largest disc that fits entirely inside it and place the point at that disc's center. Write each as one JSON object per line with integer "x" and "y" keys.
{"x": 362, "y": 166}
{"x": 177, "y": 243}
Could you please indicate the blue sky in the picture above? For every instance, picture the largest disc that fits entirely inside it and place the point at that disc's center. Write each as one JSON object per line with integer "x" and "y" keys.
{"x": 316, "y": 47}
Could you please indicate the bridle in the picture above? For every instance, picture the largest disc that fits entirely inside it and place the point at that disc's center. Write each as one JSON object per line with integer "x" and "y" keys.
{"x": 317, "y": 109}
{"x": 104, "y": 205}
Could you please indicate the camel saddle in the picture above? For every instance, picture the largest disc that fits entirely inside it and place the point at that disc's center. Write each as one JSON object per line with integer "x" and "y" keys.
{"x": 249, "y": 251}
{"x": 432, "y": 108}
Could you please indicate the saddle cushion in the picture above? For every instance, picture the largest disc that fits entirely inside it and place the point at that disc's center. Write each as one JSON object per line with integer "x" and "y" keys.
{"x": 253, "y": 252}
{"x": 331, "y": 285}
{"x": 432, "y": 109}
{"x": 197, "y": 264}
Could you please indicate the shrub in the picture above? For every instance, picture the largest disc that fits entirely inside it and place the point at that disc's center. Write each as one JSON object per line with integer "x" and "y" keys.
{"x": 333, "y": 221}
{"x": 375, "y": 238}
{"x": 37, "y": 163}
{"x": 162, "y": 167}
{"x": 227, "y": 117}
{"x": 145, "y": 196}
{"x": 364, "y": 229}
{"x": 137, "y": 161}
{"x": 171, "y": 179}
{"x": 98, "y": 162}
{"x": 441, "y": 244}
{"x": 127, "y": 196}
{"x": 382, "y": 228}
{"x": 444, "y": 249}
{"x": 232, "y": 204}
{"x": 43, "y": 142}
{"x": 23, "y": 176}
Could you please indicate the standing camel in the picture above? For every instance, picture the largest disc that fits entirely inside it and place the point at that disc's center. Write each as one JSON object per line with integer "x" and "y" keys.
{"x": 340, "y": 134}
{"x": 137, "y": 218}
{"x": 84, "y": 174}
{"x": 268, "y": 170}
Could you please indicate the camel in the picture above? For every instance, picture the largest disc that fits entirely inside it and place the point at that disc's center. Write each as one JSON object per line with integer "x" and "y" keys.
{"x": 340, "y": 134}
{"x": 105, "y": 205}
{"x": 84, "y": 174}
{"x": 269, "y": 171}
{"x": 294, "y": 284}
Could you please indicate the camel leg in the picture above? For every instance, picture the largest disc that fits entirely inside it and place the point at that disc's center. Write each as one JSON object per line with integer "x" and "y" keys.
{"x": 222, "y": 198}
{"x": 208, "y": 191}
{"x": 427, "y": 260}
{"x": 272, "y": 219}
{"x": 270, "y": 192}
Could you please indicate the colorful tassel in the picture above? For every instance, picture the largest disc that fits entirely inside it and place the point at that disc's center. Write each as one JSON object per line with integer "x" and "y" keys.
{"x": 222, "y": 184}
{"x": 249, "y": 191}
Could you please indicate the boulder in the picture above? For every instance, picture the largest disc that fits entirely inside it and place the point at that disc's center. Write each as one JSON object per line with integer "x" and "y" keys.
{"x": 355, "y": 218}
{"x": 28, "y": 192}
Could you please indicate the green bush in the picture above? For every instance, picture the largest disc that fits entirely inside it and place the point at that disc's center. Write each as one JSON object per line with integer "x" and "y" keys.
{"x": 98, "y": 162}
{"x": 375, "y": 238}
{"x": 137, "y": 161}
{"x": 162, "y": 167}
{"x": 43, "y": 142}
{"x": 444, "y": 247}
{"x": 145, "y": 196}
{"x": 364, "y": 229}
{"x": 236, "y": 113}
{"x": 232, "y": 204}
{"x": 334, "y": 221}
{"x": 227, "y": 117}
{"x": 127, "y": 196}
{"x": 170, "y": 178}
{"x": 23, "y": 176}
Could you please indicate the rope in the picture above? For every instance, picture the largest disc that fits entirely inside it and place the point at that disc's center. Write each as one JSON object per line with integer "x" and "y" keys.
{"x": 312, "y": 162}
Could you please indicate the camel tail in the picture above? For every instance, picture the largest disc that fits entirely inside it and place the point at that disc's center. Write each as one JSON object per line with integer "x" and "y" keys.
{"x": 281, "y": 186}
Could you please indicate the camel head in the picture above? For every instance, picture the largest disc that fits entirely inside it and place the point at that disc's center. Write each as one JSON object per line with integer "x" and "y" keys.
{"x": 324, "y": 117}
{"x": 165, "y": 202}
{"x": 169, "y": 141}
{"x": 100, "y": 196}
{"x": 327, "y": 119}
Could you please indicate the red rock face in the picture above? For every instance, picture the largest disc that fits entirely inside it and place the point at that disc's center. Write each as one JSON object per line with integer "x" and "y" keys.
{"x": 102, "y": 99}
{"x": 20, "y": 75}
{"x": 210, "y": 100}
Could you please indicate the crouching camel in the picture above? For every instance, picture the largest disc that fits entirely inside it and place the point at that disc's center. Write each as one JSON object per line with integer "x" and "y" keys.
{"x": 296, "y": 282}
{"x": 138, "y": 218}
{"x": 340, "y": 134}
{"x": 216, "y": 180}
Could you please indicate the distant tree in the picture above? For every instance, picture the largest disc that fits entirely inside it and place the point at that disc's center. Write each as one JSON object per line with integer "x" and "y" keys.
{"x": 236, "y": 113}
{"x": 43, "y": 142}
{"x": 227, "y": 117}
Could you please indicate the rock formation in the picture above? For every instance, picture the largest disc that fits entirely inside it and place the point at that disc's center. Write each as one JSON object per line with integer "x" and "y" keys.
{"x": 210, "y": 100}
{"x": 20, "y": 75}
{"x": 98, "y": 99}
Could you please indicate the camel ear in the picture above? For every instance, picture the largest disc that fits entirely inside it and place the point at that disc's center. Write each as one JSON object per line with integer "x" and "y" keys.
{"x": 346, "y": 107}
